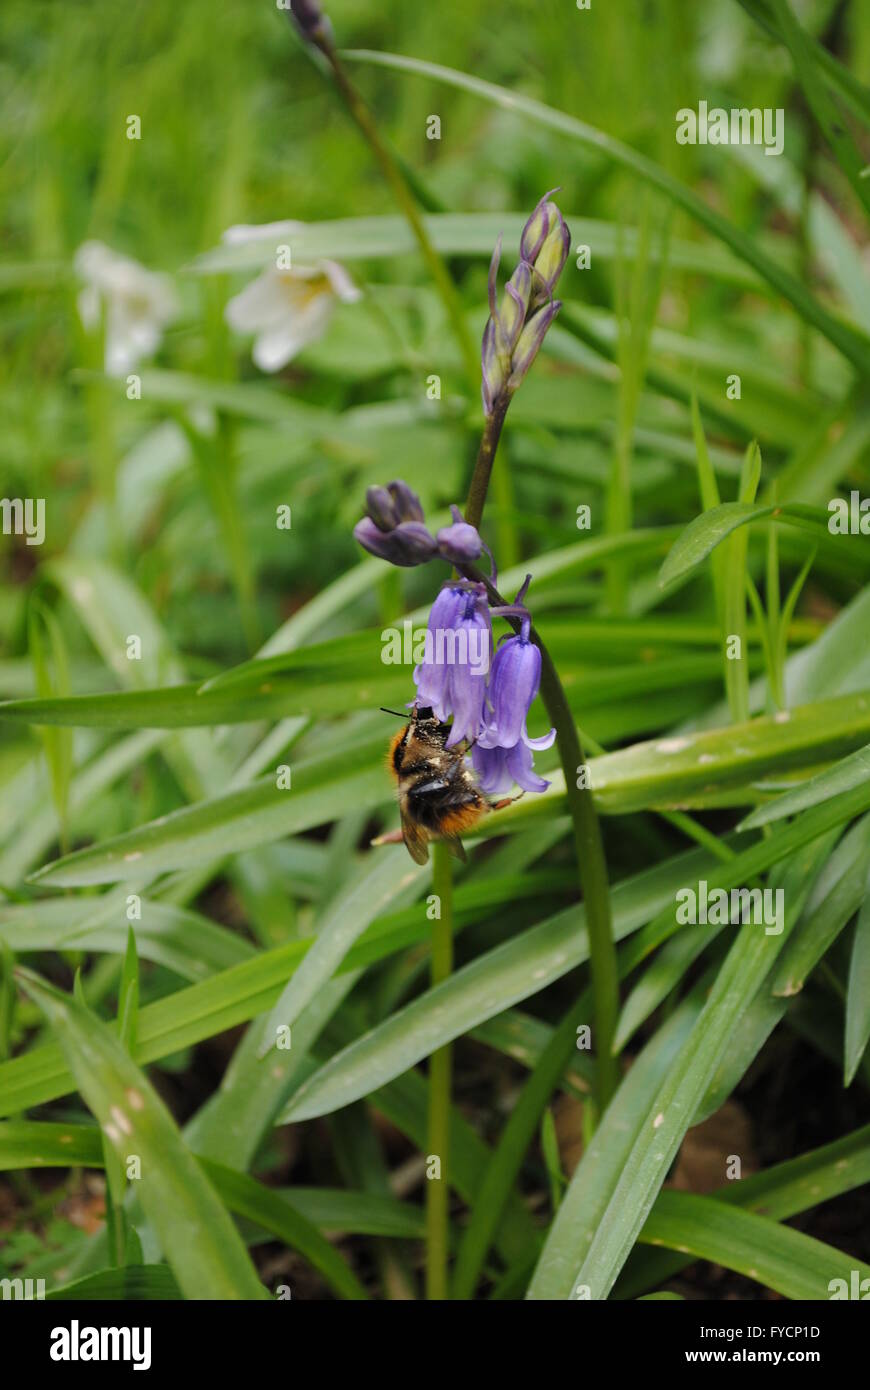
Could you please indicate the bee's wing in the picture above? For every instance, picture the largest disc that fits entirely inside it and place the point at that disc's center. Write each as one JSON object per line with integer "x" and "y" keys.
{"x": 416, "y": 840}
{"x": 455, "y": 847}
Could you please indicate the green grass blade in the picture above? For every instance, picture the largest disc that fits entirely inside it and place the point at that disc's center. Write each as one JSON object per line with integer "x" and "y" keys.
{"x": 128, "y": 995}
{"x": 201, "y": 1243}
{"x": 708, "y": 530}
{"x": 381, "y": 881}
{"x": 295, "y": 1217}
{"x": 779, "y": 1192}
{"x": 52, "y": 681}
{"x": 661, "y": 975}
{"x": 250, "y": 1199}
{"x": 734, "y": 595}
{"x": 131, "y": 1283}
{"x": 791, "y": 1263}
{"x": 858, "y": 993}
{"x": 845, "y": 774}
{"x": 820, "y": 101}
{"x": 462, "y": 234}
{"x": 584, "y": 1205}
{"x": 564, "y": 1265}
{"x": 185, "y": 942}
{"x": 501, "y": 1173}
{"x": 39, "y": 1144}
{"x": 845, "y": 82}
{"x": 481, "y": 989}
{"x": 405, "y": 1103}
{"x": 836, "y": 896}
{"x": 780, "y": 644}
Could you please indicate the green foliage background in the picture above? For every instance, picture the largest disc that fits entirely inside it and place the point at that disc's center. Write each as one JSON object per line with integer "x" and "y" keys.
{"x": 156, "y": 777}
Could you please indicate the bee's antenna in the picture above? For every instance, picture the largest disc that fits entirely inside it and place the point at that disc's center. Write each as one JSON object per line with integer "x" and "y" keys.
{"x": 397, "y": 713}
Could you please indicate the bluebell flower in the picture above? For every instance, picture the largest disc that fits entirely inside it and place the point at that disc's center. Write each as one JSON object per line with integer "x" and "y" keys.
{"x": 452, "y": 678}
{"x": 460, "y": 543}
{"x": 514, "y": 683}
{"x": 499, "y": 768}
{"x": 430, "y": 677}
{"x": 503, "y": 751}
{"x": 485, "y": 699}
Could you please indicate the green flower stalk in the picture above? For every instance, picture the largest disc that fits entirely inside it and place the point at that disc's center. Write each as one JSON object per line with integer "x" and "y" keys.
{"x": 515, "y": 330}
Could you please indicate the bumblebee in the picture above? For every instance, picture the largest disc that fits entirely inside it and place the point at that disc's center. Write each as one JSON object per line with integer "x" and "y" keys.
{"x": 438, "y": 795}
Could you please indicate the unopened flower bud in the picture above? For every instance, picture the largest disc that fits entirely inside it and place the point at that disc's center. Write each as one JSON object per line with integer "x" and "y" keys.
{"x": 514, "y": 308}
{"x": 530, "y": 341}
{"x": 545, "y": 243}
{"x": 550, "y": 262}
{"x": 493, "y": 374}
{"x": 460, "y": 543}
{"x": 381, "y": 508}
{"x": 407, "y": 544}
{"x": 406, "y": 501}
{"x": 534, "y": 233}
{"x": 515, "y": 330}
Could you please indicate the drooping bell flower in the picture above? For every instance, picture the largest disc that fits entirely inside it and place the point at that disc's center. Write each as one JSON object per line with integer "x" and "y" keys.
{"x": 430, "y": 677}
{"x": 499, "y": 768}
{"x": 452, "y": 678}
{"x": 503, "y": 752}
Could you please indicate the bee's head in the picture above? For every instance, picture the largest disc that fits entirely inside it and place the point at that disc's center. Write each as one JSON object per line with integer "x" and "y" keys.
{"x": 424, "y": 723}
{"x": 427, "y": 726}
{"x": 419, "y": 714}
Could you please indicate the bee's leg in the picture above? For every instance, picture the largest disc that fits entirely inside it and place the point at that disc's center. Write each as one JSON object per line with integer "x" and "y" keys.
{"x": 505, "y": 801}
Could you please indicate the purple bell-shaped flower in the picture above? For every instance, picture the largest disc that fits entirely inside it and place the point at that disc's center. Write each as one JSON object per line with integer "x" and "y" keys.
{"x": 452, "y": 678}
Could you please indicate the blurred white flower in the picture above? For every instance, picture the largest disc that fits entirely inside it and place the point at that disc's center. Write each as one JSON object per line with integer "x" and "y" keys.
{"x": 287, "y": 309}
{"x": 138, "y": 304}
